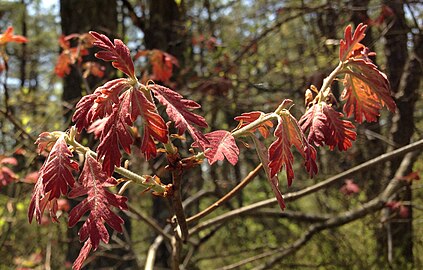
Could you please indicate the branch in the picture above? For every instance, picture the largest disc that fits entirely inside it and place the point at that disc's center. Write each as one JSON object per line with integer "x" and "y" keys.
{"x": 340, "y": 219}
{"x": 228, "y": 196}
{"x": 314, "y": 188}
{"x": 177, "y": 207}
{"x": 153, "y": 224}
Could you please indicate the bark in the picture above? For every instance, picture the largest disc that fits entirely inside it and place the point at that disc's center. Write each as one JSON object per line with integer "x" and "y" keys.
{"x": 404, "y": 74}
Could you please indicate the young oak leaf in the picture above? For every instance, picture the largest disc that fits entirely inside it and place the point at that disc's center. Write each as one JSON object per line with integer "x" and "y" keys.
{"x": 162, "y": 64}
{"x": 350, "y": 43}
{"x": 221, "y": 144}
{"x": 247, "y": 118}
{"x": 289, "y": 133}
{"x": 366, "y": 91}
{"x": 116, "y": 133}
{"x": 8, "y": 36}
{"x": 154, "y": 125}
{"x": 273, "y": 181}
{"x": 54, "y": 178}
{"x": 179, "y": 111}
{"x": 116, "y": 52}
{"x": 325, "y": 126}
{"x": 93, "y": 183}
{"x": 7, "y": 176}
{"x": 98, "y": 104}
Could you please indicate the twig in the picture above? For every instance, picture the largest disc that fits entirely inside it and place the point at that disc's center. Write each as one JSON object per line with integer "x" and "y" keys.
{"x": 153, "y": 224}
{"x": 314, "y": 188}
{"x": 228, "y": 196}
{"x": 177, "y": 207}
{"x": 340, "y": 219}
{"x": 151, "y": 255}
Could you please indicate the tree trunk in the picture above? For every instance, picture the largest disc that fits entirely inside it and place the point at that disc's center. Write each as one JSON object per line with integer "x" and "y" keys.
{"x": 404, "y": 75}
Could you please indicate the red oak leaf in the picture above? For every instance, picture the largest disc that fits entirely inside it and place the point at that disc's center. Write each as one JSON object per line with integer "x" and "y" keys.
{"x": 154, "y": 125}
{"x": 108, "y": 94}
{"x": 98, "y": 104}
{"x": 162, "y": 63}
{"x": 325, "y": 126}
{"x": 247, "y": 118}
{"x": 366, "y": 91}
{"x": 116, "y": 134}
{"x": 116, "y": 52}
{"x": 273, "y": 181}
{"x": 350, "y": 42}
{"x": 8, "y": 36}
{"x": 54, "y": 178}
{"x": 67, "y": 58}
{"x": 221, "y": 144}
{"x": 84, "y": 111}
{"x": 7, "y": 176}
{"x": 179, "y": 110}
{"x": 350, "y": 188}
{"x": 83, "y": 255}
{"x": 93, "y": 183}
{"x": 289, "y": 133}
{"x": 94, "y": 69}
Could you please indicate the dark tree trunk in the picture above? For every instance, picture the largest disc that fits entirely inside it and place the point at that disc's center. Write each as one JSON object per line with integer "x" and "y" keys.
{"x": 404, "y": 74}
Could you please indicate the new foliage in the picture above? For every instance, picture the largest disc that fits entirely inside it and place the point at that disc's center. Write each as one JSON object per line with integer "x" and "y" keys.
{"x": 117, "y": 110}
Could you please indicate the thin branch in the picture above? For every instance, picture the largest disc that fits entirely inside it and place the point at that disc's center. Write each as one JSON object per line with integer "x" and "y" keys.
{"x": 340, "y": 219}
{"x": 177, "y": 207}
{"x": 309, "y": 190}
{"x": 151, "y": 255}
{"x": 228, "y": 196}
{"x": 151, "y": 222}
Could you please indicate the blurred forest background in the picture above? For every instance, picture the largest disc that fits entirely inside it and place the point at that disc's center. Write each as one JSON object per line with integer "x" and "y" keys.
{"x": 233, "y": 56}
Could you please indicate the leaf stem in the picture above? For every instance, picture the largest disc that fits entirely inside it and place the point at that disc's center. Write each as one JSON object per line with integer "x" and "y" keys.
{"x": 137, "y": 179}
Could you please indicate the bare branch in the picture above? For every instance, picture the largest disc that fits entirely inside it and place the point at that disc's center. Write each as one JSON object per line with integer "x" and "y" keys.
{"x": 228, "y": 196}
{"x": 309, "y": 190}
{"x": 151, "y": 222}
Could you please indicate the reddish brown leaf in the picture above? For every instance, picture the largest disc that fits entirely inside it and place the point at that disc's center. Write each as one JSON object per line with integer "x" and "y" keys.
{"x": 289, "y": 133}
{"x": 273, "y": 181}
{"x": 366, "y": 91}
{"x": 247, "y": 118}
{"x": 162, "y": 63}
{"x": 350, "y": 188}
{"x": 116, "y": 134}
{"x": 8, "y": 36}
{"x": 83, "y": 115}
{"x": 325, "y": 126}
{"x": 83, "y": 255}
{"x": 116, "y": 52}
{"x": 93, "y": 183}
{"x": 154, "y": 125}
{"x": 54, "y": 178}
{"x": 179, "y": 110}
{"x": 350, "y": 42}
{"x": 221, "y": 144}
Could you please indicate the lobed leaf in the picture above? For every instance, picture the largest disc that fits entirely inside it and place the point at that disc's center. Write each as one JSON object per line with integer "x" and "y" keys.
{"x": 93, "y": 183}
{"x": 289, "y": 133}
{"x": 179, "y": 111}
{"x": 273, "y": 180}
{"x": 8, "y": 36}
{"x": 54, "y": 178}
{"x": 247, "y": 118}
{"x": 366, "y": 91}
{"x": 154, "y": 125}
{"x": 221, "y": 144}
{"x": 117, "y": 52}
{"x": 325, "y": 126}
{"x": 350, "y": 42}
